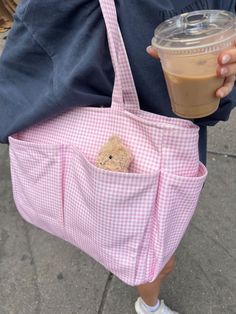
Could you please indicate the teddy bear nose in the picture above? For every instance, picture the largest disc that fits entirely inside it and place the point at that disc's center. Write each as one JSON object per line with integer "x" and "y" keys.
{"x": 110, "y": 157}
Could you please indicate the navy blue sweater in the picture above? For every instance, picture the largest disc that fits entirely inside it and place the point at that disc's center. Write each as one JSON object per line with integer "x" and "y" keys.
{"x": 57, "y": 57}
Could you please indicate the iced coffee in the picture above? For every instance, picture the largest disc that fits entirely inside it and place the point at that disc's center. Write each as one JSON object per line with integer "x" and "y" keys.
{"x": 188, "y": 46}
{"x": 193, "y": 91}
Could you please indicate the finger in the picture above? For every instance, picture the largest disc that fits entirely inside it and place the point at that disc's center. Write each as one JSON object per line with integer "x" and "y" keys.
{"x": 152, "y": 52}
{"x": 226, "y": 71}
{"x": 227, "y": 57}
{"x": 227, "y": 87}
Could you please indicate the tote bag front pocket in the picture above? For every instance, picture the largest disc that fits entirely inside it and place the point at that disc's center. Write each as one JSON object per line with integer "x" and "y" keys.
{"x": 36, "y": 171}
{"x": 107, "y": 213}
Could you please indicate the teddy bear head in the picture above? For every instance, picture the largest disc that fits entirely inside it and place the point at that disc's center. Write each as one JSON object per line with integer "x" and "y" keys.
{"x": 114, "y": 156}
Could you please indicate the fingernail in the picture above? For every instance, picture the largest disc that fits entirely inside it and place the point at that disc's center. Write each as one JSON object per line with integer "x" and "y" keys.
{"x": 223, "y": 71}
{"x": 225, "y": 59}
{"x": 148, "y": 49}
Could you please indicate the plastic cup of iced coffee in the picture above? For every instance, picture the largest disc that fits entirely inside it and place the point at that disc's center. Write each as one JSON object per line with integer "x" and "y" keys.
{"x": 188, "y": 46}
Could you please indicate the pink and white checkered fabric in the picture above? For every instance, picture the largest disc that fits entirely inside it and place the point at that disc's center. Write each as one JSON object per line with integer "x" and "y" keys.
{"x": 132, "y": 222}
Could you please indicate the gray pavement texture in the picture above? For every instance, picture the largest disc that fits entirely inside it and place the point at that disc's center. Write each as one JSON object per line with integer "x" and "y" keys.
{"x": 41, "y": 274}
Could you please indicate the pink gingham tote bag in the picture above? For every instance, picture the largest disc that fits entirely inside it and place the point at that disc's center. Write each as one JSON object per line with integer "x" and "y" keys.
{"x": 131, "y": 223}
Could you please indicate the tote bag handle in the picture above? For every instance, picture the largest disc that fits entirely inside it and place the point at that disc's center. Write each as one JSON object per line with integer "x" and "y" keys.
{"x": 124, "y": 95}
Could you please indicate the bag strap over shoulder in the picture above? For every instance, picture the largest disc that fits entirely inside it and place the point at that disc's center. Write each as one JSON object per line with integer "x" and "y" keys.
{"x": 124, "y": 95}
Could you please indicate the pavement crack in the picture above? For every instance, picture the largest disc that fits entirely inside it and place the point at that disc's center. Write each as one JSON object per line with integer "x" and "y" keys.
{"x": 212, "y": 285}
{"x": 35, "y": 277}
{"x": 3, "y": 239}
{"x": 105, "y": 292}
{"x": 205, "y": 274}
{"x": 221, "y": 154}
{"x": 217, "y": 243}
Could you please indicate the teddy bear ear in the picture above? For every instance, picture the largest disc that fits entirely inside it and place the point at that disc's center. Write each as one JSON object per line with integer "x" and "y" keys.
{"x": 115, "y": 139}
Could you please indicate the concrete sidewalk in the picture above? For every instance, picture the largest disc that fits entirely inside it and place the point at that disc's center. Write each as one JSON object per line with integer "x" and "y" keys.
{"x": 41, "y": 274}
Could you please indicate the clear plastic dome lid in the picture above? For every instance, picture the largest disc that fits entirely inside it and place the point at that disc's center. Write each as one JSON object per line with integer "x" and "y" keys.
{"x": 196, "y": 32}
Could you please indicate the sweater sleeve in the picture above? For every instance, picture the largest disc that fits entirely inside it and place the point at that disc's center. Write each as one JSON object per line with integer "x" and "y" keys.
{"x": 22, "y": 58}
{"x": 56, "y": 57}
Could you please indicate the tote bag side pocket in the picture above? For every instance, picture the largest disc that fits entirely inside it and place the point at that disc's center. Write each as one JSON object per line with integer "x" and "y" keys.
{"x": 176, "y": 203}
{"x": 37, "y": 176}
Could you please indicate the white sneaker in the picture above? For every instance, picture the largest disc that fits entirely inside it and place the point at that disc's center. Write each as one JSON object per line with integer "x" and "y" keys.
{"x": 163, "y": 309}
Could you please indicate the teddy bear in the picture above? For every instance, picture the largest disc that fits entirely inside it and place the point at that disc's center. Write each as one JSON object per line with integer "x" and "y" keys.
{"x": 114, "y": 155}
